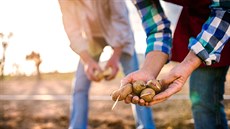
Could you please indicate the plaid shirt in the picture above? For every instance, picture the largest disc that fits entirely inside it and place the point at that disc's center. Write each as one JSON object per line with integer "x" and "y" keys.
{"x": 207, "y": 45}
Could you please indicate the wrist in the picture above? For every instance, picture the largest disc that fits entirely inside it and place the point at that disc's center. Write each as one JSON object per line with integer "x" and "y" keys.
{"x": 117, "y": 51}
{"x": 191, "y": 62}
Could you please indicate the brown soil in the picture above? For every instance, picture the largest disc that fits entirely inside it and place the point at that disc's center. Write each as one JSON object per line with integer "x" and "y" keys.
{"x": 54, "y": 114}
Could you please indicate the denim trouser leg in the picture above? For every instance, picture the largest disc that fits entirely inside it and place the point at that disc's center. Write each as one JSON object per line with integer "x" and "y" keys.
{"x": 142, "y": 115}
{"x": 79, "y": 105}
{"x": 206, "y": 94}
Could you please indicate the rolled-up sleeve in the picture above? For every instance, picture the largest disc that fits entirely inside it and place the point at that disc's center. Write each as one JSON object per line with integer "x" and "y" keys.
{"x": 214, "y": 34}
{"x": 156, "y": 25}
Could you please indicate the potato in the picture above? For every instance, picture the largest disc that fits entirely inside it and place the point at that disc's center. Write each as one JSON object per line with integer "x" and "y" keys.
{"x": 147, "y": 94}
{"x": 101, "y": 75}
{"x": 126, "y": 90}
{"x": 138, "y": 86}
{"x": 141, "y": 91}
{"x": 155, "y": 85}
{"x": 107, "y": 72}
{"x": 98, "y": 74}
{"x": 123, "y": 92}
{"x": 115, "y": 95}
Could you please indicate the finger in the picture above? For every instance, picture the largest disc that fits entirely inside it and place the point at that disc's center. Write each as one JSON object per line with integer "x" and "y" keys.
{"x": 126, "y": 80}
{"x": 128, "y": 99}
{"x": 167, "y": 80}
{"x": 112, "y": 75}
{"x": 95, "y": 76}
{"x": 135, "y": 99}
{"x": 142, "y": 102}
{"x": 172, "y": 89}
{"x": 96, "y": 73}
{"x": 107, "y": 73}
{"x": 90, "y": 75}
{"x": 155, "y": 102}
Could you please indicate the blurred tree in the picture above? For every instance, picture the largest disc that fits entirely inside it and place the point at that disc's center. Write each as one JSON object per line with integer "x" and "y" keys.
{"x": 37, "y": 60}
{"x": 5, "y": 41}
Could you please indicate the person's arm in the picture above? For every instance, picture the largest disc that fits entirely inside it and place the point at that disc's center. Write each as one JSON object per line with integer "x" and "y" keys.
{"x": 214, "y": 34}
{"x": 113, "y": 62}
{"x": 121, "y": 34}
{"x": 159, "y": 38}
{"x": 206, "y": 47}
{"x": 159, "y": 41}
{"x": 73, "y": 26}
{"x": 74, "y": 29}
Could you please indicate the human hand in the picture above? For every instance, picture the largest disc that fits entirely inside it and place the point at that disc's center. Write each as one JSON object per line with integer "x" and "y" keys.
{"x": 137, "y": 76}
{"x": 113, "y": 64}
{"x": 171, "y": 83}
{"x": 113, "y": 67}
{"x": 176, "y": 78}
{"x": 91, "y": 69}
{"x": 164, "y": 88}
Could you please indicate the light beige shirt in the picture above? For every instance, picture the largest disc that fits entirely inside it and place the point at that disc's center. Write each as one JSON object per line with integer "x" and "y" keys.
{"x": 112, "y": 22}
{"x": 93, "y": 21}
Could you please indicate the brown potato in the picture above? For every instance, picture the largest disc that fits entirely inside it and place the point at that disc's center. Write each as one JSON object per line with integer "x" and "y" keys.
{"x": 142, "y": 92}
{"x": 147, "y": 94}
{"x": 123, "y": 92}
{"x": 155, "y": 85}
{"x": 98, "y": 74}
{"x": 107, "y": 72}
{"x": 138, "y": 86}
{"x": 126, "y": 90}
{"x": 115, "y": 95}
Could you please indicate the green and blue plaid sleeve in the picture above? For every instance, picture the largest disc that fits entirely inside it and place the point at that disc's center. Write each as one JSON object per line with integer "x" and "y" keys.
{"x": 156, "y": 25}
{"x": 214, "y": 35}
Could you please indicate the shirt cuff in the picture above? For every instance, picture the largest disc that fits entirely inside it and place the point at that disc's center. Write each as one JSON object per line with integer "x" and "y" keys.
{"x": 208, "y": 58}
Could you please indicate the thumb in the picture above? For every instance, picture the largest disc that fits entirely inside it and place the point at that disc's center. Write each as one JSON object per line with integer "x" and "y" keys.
{"x": 168, "y": 79}
{"x": 126, "y": 80}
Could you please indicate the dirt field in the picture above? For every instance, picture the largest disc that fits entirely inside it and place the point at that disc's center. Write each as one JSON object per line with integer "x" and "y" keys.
{"x": 24, "y": 105}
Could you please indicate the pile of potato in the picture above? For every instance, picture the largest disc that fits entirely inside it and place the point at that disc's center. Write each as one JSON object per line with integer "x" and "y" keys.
{"x": 139, "y": 89}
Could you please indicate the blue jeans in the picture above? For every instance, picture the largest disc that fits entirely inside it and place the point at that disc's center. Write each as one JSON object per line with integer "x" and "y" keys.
{"x": 79, "y": 107}
{"x": 206, "y": 94}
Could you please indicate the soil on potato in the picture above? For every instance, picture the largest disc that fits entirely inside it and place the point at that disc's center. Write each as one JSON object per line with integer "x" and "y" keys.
{"x": 54, "y": 114}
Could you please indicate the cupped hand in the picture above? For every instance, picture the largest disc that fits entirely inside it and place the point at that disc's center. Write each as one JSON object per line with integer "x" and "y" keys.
{"x": 132, "y": 77}
{"x": 171, "y": 83}
{"x": 90, "y": 68}
{"x": 113, "y": 64}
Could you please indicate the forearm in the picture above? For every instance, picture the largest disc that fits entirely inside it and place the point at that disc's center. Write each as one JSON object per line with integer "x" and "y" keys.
{"x": 117, "y": 51}
{"x": 85, "y": 57}
{"x": 154, "y": 62}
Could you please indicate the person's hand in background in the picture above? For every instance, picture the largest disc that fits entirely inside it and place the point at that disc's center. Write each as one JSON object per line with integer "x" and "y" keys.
{"x": 113, "y": 63}
{"x": 90, "y": 66}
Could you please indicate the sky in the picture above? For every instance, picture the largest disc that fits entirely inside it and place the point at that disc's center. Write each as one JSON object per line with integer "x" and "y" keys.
{"x": 37, "y": 26}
